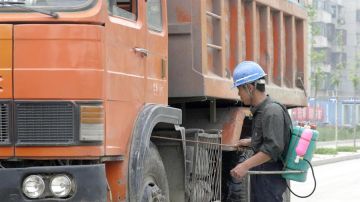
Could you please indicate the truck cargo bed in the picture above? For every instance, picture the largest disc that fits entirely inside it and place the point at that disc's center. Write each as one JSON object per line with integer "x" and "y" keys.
{"x": 207, "y": 38}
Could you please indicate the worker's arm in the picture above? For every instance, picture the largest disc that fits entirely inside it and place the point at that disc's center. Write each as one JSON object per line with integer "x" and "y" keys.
{"x": 243, "y": 142}
{"x": 241, "y": 169}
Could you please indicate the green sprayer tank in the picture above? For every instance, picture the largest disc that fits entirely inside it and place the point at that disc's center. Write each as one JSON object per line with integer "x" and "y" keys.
{"x": 291, "y": 156}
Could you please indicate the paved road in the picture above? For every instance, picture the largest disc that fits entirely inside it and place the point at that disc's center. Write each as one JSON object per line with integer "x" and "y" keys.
{"x": 335, "y": 183}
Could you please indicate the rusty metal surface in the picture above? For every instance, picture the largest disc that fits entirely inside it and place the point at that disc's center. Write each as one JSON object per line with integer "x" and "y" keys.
{"x": 233, "y": 128}
{"x": 207, "y": 38}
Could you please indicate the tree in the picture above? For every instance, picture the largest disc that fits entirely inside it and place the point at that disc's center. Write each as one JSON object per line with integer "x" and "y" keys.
{"x": 317, "y": 77}
{"x": 335, "y": 81}
{"x": 317, "y": 58}
{"x": 355, "y": 80}
{"x": 335, "y": 78}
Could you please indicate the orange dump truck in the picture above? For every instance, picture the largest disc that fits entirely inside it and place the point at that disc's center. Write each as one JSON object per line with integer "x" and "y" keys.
{"x": 127, "y": 100}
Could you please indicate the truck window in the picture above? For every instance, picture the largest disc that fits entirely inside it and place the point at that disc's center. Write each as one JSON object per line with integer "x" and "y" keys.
{"x": 53, "y": 5}
{"x": 154, "y": 17}
{"x": 123, "y": 8}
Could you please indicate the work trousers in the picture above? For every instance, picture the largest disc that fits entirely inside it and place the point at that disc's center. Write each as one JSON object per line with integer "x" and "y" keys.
{"x": 267, "y": 188}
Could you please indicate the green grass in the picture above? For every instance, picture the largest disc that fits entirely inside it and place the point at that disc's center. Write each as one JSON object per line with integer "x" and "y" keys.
{"x": 347, "y": 149}
{"x": 325, "y": 151}
{"x": 333, "y": 151}
{"x": 328, "y": 133}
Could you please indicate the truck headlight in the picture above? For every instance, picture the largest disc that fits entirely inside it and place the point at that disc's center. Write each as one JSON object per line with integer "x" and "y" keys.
{"x": 91, "y": 122}
{"x": 33, "y": 186}
{"x": 61, "y": 186}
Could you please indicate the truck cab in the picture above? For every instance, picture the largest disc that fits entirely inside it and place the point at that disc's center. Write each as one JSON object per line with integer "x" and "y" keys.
{"x": 65, "y": 67}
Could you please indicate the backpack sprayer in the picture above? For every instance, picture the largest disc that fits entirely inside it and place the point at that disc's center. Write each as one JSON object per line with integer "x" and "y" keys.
{"x": 299, "y": 155}
{"x": 301, "y": 150}
{"x": 297, "y": 159}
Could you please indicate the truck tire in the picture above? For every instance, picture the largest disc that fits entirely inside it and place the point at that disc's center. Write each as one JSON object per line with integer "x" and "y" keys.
{"x": 154, "y": 185}
{"x": 237, "y": 190}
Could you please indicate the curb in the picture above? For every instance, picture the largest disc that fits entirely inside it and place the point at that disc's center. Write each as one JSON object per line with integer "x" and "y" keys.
{"x": 335, "y": 159}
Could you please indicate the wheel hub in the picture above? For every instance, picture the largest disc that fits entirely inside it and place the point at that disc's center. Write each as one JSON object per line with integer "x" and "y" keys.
{"x": 152, "y": 193}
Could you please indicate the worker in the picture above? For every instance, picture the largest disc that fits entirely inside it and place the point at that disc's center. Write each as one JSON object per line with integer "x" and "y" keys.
{"x": 270, "y": 134}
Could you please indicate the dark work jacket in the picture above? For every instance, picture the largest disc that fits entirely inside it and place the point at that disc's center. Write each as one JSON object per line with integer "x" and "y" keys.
{"x": 270, "y": 129}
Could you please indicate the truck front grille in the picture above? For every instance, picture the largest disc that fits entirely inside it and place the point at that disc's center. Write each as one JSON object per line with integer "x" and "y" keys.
{"x": 44, "y": 123}
{"x": 4, "y": 123}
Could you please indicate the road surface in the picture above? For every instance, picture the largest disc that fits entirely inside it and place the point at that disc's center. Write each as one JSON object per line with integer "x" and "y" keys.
{"x": 336, "y": 182}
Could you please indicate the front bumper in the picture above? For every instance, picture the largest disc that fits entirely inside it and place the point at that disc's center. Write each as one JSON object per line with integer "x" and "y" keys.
{"x": 90, "y": 181}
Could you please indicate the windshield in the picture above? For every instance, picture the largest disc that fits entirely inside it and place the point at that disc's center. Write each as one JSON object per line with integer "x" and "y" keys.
{"x": 55, "y": 5}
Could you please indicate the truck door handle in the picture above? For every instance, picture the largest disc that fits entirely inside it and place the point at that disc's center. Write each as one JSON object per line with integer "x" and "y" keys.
{"x": 143, "y": 52}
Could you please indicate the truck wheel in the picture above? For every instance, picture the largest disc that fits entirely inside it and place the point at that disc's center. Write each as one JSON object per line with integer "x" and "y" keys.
{"x": 155, "y": 185}
{"x": 237, "y": 190}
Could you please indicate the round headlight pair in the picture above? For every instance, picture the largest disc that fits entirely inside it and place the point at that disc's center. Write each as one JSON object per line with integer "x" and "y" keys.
{"x": 34, "y": 186}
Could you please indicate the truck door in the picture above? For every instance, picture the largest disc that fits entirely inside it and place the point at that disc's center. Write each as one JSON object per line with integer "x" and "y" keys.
{"x": 156, "y": 90}
{"x": 125, "y": 60}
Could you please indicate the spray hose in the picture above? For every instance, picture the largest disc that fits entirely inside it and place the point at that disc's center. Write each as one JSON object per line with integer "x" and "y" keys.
{"x": 312, "y": 171}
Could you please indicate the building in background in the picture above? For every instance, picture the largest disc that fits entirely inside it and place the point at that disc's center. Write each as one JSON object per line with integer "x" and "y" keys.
{"x": 335, "y": 56}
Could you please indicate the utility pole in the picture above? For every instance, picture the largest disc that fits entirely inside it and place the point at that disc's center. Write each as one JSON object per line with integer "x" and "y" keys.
{"x": 354, "y": 122}
{"x": 336, "y": 117}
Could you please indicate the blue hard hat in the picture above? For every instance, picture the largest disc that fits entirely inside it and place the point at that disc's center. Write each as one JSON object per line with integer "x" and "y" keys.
{"x": 247, "y": 72}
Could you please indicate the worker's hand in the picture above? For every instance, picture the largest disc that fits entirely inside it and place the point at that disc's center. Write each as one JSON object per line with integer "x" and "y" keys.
{"x": 243, "y": 143}
{"x": 239, "y": 171}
